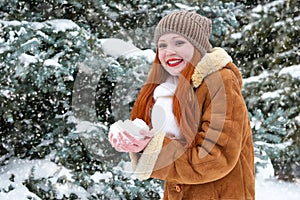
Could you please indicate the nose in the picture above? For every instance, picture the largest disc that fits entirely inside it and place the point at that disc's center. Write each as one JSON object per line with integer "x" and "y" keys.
{"x": 170, "y": 51}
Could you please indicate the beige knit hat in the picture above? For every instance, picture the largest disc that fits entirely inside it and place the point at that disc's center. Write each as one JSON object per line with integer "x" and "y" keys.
{"x": 194, "y": 27}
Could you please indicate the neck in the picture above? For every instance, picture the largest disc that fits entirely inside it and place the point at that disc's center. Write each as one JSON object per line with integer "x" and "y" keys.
{"x": 172, "y": 79}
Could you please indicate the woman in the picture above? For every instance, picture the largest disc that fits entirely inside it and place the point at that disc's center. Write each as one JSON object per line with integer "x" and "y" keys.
{"x": 203, "y": 147}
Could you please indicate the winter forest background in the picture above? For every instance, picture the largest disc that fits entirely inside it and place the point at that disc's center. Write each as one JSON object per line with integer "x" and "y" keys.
{"x": 62, "y": 83}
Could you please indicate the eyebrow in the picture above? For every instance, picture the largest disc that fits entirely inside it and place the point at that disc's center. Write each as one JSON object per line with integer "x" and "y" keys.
{"x": 171, "y": 38}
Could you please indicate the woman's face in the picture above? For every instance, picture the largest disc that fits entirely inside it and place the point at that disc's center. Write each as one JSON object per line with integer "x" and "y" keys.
{"x": 174, "y": 53}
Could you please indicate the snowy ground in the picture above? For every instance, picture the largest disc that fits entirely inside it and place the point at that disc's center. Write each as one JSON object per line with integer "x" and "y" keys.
{"x": 267, "y": 187}
{"x": 270, "y": 188}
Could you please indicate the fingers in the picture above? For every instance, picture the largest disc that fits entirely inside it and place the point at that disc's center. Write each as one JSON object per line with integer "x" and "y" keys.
{"x": 112, "y": 139}
{"x": 129, "y": 137}
{"x": 131, "y": 148}
{"x": 115, "y": 141}
{"x": 130, "y": 144}
{"x": 110, "y": 136}
{"x": 146, "y": 133}
{"x": 125, "y": 142}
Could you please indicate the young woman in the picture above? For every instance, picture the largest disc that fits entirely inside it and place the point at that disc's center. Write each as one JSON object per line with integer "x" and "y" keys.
{"x": 203, "y": 146}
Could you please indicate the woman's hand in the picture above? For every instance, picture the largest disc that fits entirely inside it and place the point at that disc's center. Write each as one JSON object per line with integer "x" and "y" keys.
{"x": 124, "y": 142}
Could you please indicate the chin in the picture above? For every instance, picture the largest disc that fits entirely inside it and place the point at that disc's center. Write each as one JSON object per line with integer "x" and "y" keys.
{"x": 174, "y": 74}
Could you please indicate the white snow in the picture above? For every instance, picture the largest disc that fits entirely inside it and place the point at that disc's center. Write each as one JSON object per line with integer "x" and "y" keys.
{"x": 62, "y": 25}
{"x": 101, "y": 176}
{"x": 249, "y": 26}
{"x": 33, "y": 40}
{"x": 271, "y": 95}
{"x": 17, "y": 171}
{"x": 117, "y": 48}
{"x": 21, "y": 170}
{"x": 148, "y": 54}
{"x": 85, "y": 127}
{"x": 207, "y": 8}
{"x": 185, "y": 7}
{"x": 277, "y": 146}
{"x": 68, "y": 188}
{"x": 51, "y": 62}
{"x": 3, "y": 49}
{"x": 294, "y": 71}
{"x": 268, "y": 6}
{"x": 236, "y": 35}
{"x": 54, "y": 61}
{"x": 5, "y": 93}
{"x": 297, "y": 118}
{"x": 36, "y": 25}
{"x": 26, "y": 59}
{"x": 57, "y": 24}
{"x": 267, "y": 186}
{"x": 255, "y": 78}
{"x": 133, "y": 127}
{"x": 20, "y": 193}
{"x": 277, "y": 190}
{"x": 11, "y": 23}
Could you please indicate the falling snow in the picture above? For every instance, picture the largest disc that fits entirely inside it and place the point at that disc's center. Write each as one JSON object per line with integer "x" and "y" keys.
{"x": 16, "y": 172}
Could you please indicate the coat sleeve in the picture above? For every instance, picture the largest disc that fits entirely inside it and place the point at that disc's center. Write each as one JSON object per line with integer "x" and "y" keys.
{"x": 218, "y": 143}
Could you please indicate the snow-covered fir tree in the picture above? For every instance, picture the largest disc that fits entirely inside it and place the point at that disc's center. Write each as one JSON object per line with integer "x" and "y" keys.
{"x": 60, "y": 89}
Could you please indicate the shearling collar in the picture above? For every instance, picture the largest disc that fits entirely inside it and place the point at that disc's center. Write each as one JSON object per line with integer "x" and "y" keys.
{"x": 214, "y": 60}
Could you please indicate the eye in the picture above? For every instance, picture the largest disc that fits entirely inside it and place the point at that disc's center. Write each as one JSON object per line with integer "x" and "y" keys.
{"x": 162, "y": 45}
{"x": 179, "y": 42}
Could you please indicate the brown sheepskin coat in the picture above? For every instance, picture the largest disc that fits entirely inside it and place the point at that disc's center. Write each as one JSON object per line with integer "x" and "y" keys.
{"x": 220, "y": 162}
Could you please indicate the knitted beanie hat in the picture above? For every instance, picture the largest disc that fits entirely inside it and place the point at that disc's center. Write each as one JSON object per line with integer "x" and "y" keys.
{"x": 194, "y": 27}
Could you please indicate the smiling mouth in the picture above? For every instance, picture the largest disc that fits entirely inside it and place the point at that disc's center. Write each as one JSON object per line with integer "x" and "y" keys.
{"x": 174, "y": 62}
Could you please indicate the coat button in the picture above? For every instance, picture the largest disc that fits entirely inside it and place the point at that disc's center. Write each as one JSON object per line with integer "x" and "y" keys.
{"x": 177, "y": 188}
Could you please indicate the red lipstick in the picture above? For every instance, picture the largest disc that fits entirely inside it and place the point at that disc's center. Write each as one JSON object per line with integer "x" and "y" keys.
{"x": 173, "y": 62}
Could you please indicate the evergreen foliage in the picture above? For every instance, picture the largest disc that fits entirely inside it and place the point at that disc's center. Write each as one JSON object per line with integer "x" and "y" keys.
{"x": 262, "y": 48}
{"x": 59, "y": 92}
{"x": 37, "y": 74}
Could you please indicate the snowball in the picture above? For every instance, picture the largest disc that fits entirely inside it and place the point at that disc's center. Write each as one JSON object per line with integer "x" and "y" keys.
{"x": 132, "y": 127}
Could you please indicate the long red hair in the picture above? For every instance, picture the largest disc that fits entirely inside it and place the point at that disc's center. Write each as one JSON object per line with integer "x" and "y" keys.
{"x": 184, "y": 101}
